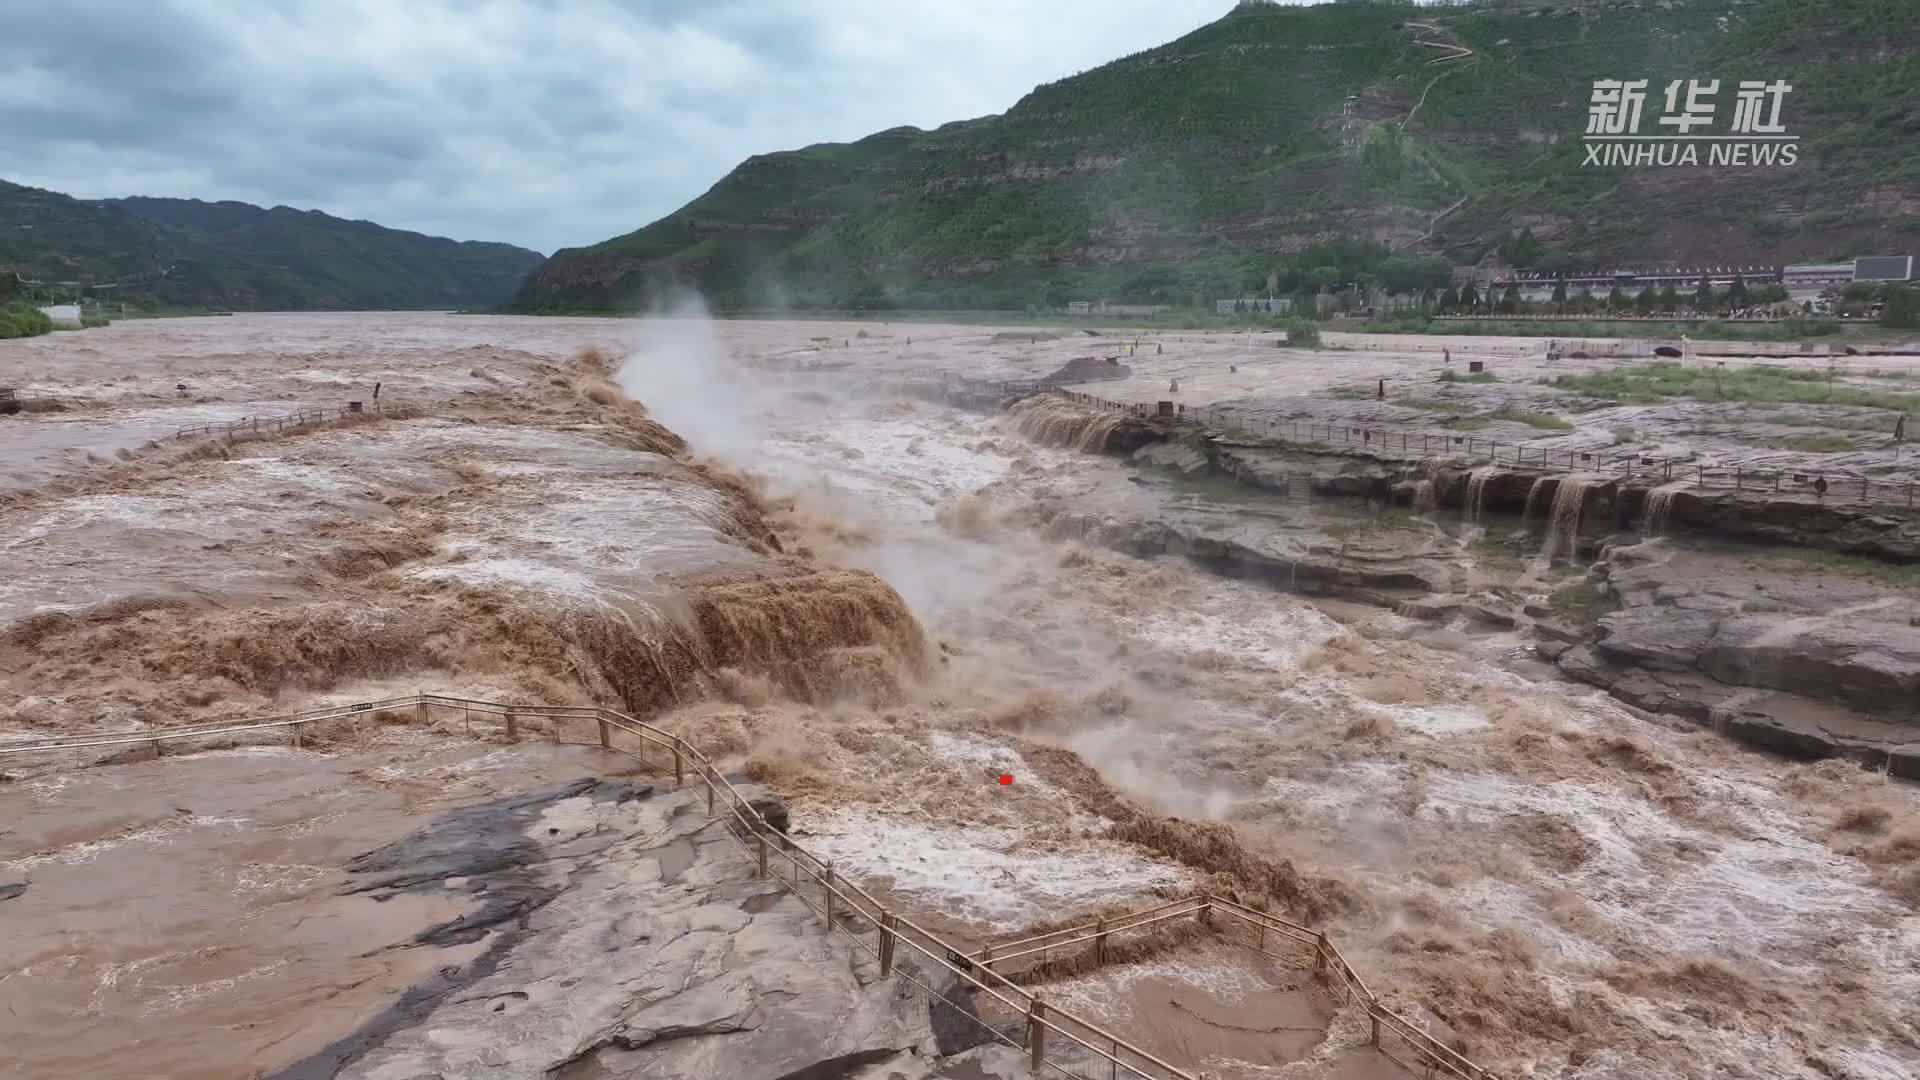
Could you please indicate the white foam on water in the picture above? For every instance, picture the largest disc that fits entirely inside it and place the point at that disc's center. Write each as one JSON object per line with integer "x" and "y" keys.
{"x": 514, "y": 573}
{"x": 983, "y": 873}
{"x": 1276, "y": 638}
{"x": 1227, "y": 977}
{"x": 1345, "y": 791}
{"x": 1439, "y": 720}
{"x": 1769, "y": 890}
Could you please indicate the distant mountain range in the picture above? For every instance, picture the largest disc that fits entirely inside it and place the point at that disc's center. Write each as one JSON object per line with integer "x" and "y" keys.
{"x": 1282, "y": 147}
{"x": 230, "y": 255}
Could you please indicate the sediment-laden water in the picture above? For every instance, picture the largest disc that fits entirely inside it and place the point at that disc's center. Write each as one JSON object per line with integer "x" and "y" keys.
{"x": 850, "y": 597}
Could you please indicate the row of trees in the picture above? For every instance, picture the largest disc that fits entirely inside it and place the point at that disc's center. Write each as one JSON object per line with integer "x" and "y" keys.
{"x": 1702, "y": 299}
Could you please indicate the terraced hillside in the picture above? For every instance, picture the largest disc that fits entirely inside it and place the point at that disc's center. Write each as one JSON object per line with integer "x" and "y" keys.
{"x": 1201, "y": 167}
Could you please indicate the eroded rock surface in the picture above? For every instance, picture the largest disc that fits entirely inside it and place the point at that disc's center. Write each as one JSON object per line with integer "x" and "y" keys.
{"x": 626, "y": 937}
{"x": 1811, "y": 666}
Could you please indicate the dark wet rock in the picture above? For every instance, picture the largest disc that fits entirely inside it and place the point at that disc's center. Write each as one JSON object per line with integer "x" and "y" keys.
{"x": 1657, "y": 638}
{"x": 1090, "y": 369}
{"x": 955, "y": 1017}
{"x": 1550, "y": 650}
{"x": 842, "y": 1067}
{"x": 11, "y": 889}
{"x": 1673, "y": 693}
{"x": 1859, "y": 662}
{"x": 1830, "y": 524}
{"x": 1553, "y": 630}
{"x": 1772, "y": 733}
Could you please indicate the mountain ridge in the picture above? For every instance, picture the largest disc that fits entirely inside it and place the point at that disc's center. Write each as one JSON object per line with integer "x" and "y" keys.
{"x": 234, "y": 255}
{"x": 1245, "y": 153}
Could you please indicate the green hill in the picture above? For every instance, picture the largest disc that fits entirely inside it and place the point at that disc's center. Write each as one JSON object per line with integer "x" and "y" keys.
{"x": 183, "y": 252}
{"x": 1197, "y": 169}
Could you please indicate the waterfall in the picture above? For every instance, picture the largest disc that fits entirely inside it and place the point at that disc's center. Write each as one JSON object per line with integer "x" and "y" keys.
{"x": 1563, "y": 528}
{"x": 1475, "y": 502}
{"x": 1051, "y": 421}
{"x": 1659, "y": 510}
{"x": 1533, "y": 500}
{"x": 1423, "y": 498}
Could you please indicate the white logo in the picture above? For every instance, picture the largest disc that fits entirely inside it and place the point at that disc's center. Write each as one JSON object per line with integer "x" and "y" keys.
{"x": 1757, "y": 135}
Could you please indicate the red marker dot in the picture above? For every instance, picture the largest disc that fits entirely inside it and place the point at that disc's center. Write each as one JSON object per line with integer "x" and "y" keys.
{"x": 1005, "y": 779}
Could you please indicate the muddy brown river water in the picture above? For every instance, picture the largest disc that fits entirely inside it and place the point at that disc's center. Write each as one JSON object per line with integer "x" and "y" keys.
{"x": 1578, "y": 890}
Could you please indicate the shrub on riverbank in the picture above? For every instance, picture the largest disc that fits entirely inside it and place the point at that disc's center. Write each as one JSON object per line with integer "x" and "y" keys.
{"x": 19, "y": 320}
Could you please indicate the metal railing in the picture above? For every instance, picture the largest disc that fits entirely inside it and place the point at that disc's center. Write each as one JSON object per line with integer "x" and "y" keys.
{"x": 1057, "y": 1041}
{"x": 306, "y": 417}
{"x": 1429, "y": 445}
{"x": 1269, "y": 935}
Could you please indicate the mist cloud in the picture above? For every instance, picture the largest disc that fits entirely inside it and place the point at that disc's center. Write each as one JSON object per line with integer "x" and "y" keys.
{"x": 538, "y": 123}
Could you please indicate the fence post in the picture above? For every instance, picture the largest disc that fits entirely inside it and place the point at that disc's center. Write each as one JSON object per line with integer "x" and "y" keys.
{"x": 420, "y": 710}
{"x": 761, "y": 870}
{"x": 886, "y": 943}
{"x": 606, "y": 733}
{"x": 513, "y": 726}
{"x": 679, "y": 774}
{"x": 1100, "y": 942}
{"x": 709, "y": 781}
{"x": 828, "y": 906}
{"x": 986, "y": 956}
{"x": 1320, "y": 953}
{"x": 1036, "y": 1031}
{"x": 1206, "y": 914}
{"x": 1375, "y": 1017}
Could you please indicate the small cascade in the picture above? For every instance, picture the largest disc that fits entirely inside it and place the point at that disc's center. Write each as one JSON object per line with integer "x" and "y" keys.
{"x": 1534, "y": 494}
{"x": 1659, "y": 510}
{"x": 1563, "y": 528}
{"x": 1423, "y": 497}
{"x": 1050, "y": 421}
{"x": 1476, "y": 497}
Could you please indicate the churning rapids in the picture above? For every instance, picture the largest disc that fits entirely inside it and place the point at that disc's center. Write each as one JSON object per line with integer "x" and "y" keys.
{"x": 1572, "y": 889}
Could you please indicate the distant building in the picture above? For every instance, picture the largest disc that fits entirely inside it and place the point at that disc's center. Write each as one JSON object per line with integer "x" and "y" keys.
{"x": 1278, "y": 305}
{"x": 1817, "y": 275}
{"x": 1101, "y": 307}
{"x": 1883, "y": 268}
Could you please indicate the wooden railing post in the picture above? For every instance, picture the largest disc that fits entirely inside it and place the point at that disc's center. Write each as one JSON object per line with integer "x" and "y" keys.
{"x": 886, "y": 943}
{"x": 1375, "y": 1018}
{"x": 679, "y": 766}
{"x": 606, "y": 733}
{"x": 986, "y": 956}
{"x": 1100, "y": 942}
{"x": 709, "y": 781}
{"x": 1206, "y": 914}
{"x": 1036, "y": 1032}
{"x": 513, "y": 727}
{"x": 420, "y": 711}
{"x": 762, "y": 871}
{"x": 1320, "y": 953}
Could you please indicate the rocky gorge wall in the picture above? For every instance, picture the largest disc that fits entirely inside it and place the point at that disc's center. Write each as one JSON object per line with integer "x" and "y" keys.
{"x": 1797, "y": 663}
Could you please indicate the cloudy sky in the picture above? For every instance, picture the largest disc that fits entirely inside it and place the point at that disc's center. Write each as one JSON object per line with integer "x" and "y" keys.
{"x": 545, "y": 123}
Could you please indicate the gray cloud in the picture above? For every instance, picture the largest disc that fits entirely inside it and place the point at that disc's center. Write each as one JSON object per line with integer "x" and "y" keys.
{"x": 540, "y": 122}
